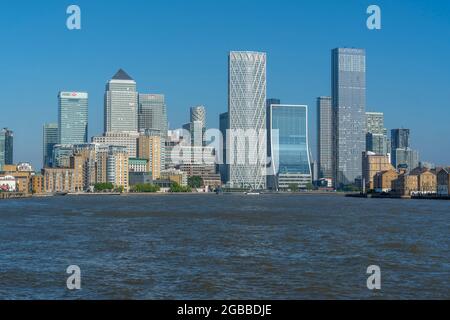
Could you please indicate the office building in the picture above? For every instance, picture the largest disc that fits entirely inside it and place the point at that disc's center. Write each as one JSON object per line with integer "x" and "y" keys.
{"x": 377, "y": 140}
{"x": 153, "y": 113}
{"x": 49, "y": 140}
{"x": 121, "y": 139}
{"x": 61, "y": 155}
{"x": 290, "y": 146}
{"x": 121, "y": 104}
{"x": 407, "y": 159}
{"x": 247, "y": 117}
{"x": 325, "y": 152}
{"x": 72, "y": 117}
{"x": 349, "y": 107}
{"x": 6, "y": 147}
{"x": 402, "y": 155}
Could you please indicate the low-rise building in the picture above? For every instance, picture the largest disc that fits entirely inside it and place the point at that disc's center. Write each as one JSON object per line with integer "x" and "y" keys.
{"x": 372, "y": 164}
{"x": 405, "y": 184}
{"x": 175, "y": 175}
{"x": 427, "y": 182}
{"x": 22, "y": 173}
{"x": 7, "y": 184}
{"x": 138, "y": 165}
{"x": 383, "y": 181}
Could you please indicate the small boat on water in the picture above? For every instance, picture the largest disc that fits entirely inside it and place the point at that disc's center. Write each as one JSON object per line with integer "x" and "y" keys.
{"x": 61, "y": 194}
{"x": 252, "y": 193}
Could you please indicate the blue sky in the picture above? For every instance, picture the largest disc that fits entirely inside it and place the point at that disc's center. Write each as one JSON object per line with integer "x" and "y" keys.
{"x": 180, "y": 48}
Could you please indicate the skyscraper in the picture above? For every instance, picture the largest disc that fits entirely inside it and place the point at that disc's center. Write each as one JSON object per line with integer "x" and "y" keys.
{"x": 224, "y": 124}
{"x": 198, "y": 113}
{"x": 49, "y": 140}
{"x": 271, "y": 180}
{"x": 349, "y": 107}
{"x": 247, "y": 114}
{"x": 198, "y": 126}
{"x": 121, "y": 104}
{"x": 289, "y": 145}
{"x": 325, "y": 137}
{"x": 402, "y": 154}
{"x": 6, "y": 147}
{"x": 377, "y": 140}
{"x": 73, "y": 117}
{"x": 153, "y": 113}
{"x": 400, "y": 138}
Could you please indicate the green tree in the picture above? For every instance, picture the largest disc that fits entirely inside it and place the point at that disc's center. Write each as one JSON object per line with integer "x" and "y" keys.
{"x": 195, "y": 182}
{"x": 101, "y": 187}
{"x": 293, "y": 187}
{"x": 176, "y": 188}
{"x": 145, "y": 188}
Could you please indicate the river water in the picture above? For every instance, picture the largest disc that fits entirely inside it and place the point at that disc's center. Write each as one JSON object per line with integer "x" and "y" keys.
{"x": 224, "y": 247}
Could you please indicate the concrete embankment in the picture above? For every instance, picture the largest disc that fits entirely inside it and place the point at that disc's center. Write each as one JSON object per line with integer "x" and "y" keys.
{"x": 13, "y": 195}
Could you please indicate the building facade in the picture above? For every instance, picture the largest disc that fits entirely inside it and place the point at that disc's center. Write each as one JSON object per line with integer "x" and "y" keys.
{"x": 372, "y": 164}
{"x": 50, "y": 138}
{"x": 72, "y": 117}
{"x": 383, "y": 181}
{"x": 112, "y": 166}
{"x": 153, "y": 113}
{"x": 349, "y": 107}
{"x": 121, "y": 104}
{"x": 6, "y": 147}
{"x": 443, "y": 182}
{"x": 290, "y": 145}
{"x": 58, "y": 180}
{"x": 377, "y": 140}
{"x": 150, "y": 148}
{"x": 122, "y": 139}
{"x": 247, "y": 138}
{"x": 325, "y": 137}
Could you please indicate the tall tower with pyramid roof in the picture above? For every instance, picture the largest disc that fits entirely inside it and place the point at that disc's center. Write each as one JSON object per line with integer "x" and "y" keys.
{"x": 121, "y": 104}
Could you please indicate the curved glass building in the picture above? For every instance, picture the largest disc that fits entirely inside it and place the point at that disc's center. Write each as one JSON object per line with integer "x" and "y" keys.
{"x": 289, "y": 145}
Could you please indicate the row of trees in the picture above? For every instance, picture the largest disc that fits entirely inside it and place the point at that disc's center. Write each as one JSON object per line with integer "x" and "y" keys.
{"x": 145, "y": 188}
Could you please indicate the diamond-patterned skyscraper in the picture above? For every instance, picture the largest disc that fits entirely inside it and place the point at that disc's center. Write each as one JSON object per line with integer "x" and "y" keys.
{"x": 247, "y": 139}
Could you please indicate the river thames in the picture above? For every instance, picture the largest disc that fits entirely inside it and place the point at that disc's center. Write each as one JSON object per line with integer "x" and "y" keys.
{"x": 224, "y": 247}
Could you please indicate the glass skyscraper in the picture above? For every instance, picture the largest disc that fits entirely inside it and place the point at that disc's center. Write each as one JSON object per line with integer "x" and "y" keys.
{"x": 325, "y": 137}
{"x": 6, "y": 147}
{"x": 289, "y": 145}
{"x": 247, "y": 116}
{"x": 49, "y": 140}
{"x": 377, "y": 140}
{"x": 349, "y": 109}
{"x": 402, "y": 154}
{"x": 73, "y": 117}
{"x": 153, "y": 113}
{"x": 121, "y": 104}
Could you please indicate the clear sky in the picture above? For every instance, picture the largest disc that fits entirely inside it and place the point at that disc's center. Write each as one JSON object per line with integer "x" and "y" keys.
{"x": 180, "y": 48}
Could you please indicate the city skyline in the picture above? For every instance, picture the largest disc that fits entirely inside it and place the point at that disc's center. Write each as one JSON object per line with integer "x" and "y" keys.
{"x": 395, "y": 86}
